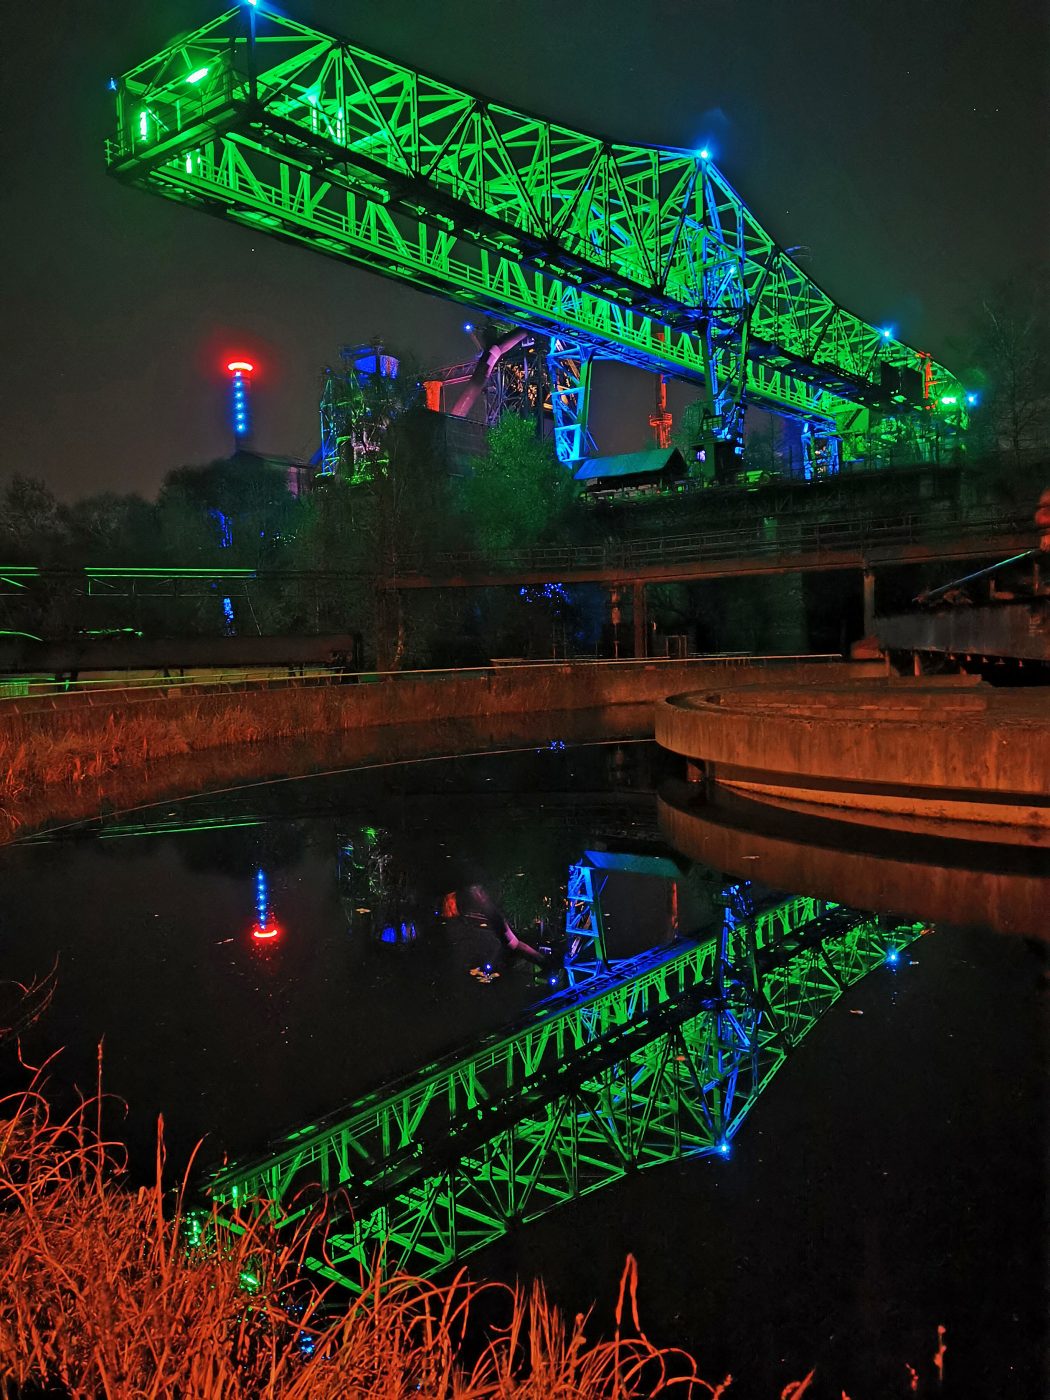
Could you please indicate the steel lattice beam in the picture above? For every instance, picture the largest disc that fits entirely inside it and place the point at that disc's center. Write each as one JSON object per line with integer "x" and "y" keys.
{"x": 660, "y": 1059}
{"x": 640, "y": 253}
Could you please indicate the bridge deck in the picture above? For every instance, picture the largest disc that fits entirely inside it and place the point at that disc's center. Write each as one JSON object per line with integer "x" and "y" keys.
{"x": 766, "y": 548}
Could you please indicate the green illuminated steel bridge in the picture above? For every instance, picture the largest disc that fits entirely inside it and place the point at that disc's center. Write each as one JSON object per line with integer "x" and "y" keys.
{"x": 612, "y": 250}
{"x": 655, "y": 1059}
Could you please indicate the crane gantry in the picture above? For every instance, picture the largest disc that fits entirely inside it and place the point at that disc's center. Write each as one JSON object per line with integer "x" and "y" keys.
{"x": 610, "y": 249}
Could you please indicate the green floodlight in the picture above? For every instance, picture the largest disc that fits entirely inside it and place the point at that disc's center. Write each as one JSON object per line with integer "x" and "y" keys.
{"x": 197, "y": 75}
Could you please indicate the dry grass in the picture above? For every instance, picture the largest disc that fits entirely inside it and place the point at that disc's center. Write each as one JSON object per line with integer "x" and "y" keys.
{"x": 101, "y": 1296}
{"x": 65, "y": 769}
{"x": 78, "y": 741}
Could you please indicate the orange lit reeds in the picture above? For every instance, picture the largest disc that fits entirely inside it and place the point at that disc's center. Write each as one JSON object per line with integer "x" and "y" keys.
{"x": 143, "y": 756}
{"x": 100, "y": 1295}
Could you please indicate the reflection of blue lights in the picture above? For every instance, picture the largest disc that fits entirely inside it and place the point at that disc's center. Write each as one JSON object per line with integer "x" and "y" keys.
{"x": 732, "y": 898}
{"x": 405, "y": 932}
{"x": 225, "y": 524}
{"x": 553, "y": 980}
{"x": 487, "y": 967}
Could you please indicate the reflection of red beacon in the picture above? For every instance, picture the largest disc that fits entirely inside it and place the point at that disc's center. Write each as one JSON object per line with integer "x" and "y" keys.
{"x": 265, "y": 925}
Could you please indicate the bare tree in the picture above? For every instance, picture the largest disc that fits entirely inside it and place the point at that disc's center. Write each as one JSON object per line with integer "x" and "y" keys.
{"x": 1012, "y": 347}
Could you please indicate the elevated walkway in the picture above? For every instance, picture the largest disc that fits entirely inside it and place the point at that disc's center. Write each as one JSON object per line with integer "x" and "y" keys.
{"x": 763, "y": 547}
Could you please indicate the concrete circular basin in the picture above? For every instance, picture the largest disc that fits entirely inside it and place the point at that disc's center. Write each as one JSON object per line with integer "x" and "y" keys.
{"x": 945, "y": 750}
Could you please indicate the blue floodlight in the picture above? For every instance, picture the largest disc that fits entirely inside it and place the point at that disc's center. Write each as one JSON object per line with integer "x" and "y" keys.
{"x": 971, "y": 399}
{"x": 887, "y": 331}
{"x": 723, "y": 1148}
{"x": 468, "y": 326}
{"x": 893, "y": 957}
{"x": 704, "y": 154}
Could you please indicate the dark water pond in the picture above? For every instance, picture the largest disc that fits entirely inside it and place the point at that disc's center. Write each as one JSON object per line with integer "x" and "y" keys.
{"x": 893, "y": 1177}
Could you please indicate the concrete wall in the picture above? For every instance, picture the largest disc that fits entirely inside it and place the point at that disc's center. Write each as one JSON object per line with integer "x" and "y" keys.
{"x": 960, "y": 747}
{"x": 49, "y": 743}
{"x": 324, "y": 703}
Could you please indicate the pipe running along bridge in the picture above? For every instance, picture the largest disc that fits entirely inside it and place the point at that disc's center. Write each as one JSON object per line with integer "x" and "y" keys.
{"x": 648, "y": 1061}
{"x": 611, "y": 250}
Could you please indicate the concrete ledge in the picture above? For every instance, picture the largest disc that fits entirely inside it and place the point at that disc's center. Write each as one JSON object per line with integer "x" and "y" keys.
{"x": 48, "y": 747}
{"x": 950, "y": 751}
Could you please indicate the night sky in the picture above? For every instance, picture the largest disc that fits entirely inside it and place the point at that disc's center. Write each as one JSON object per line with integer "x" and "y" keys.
{"x": 904, "y": 145}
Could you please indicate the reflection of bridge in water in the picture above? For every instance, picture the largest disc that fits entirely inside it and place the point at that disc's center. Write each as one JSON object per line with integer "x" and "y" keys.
{"x": 657, "y": 1059}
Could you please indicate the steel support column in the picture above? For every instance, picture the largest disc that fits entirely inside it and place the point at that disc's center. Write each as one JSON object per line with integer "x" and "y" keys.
{"x": 640, "y": 619}
{"x": 868, "y": 580}
{"x": 569, "y": 367}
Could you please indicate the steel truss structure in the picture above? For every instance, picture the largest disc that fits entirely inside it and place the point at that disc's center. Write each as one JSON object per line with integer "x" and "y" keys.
{"x": 658, "y": 1060}
{"x": 621, "y": 251}
{"x": 350, "y": 437}
{"x": 585, "y": 955}
{"x": 519, "y": 383}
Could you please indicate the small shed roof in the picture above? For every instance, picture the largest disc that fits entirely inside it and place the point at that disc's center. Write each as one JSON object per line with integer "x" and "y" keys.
{"x": 631, "y": 464}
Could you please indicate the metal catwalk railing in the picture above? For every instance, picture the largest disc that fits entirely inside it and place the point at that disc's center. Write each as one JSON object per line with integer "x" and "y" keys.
{"x": 763, "y": 538}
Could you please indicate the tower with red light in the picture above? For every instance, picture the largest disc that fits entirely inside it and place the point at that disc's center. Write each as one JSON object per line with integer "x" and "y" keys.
{"x": 240, "y": 372}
